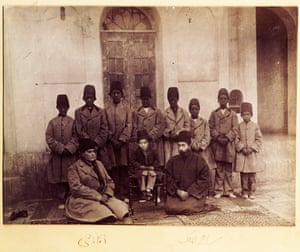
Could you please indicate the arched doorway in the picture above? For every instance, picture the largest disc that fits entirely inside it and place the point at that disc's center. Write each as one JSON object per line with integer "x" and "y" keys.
{"x": 127, "y": 37}
{"x": 272, "y": 72}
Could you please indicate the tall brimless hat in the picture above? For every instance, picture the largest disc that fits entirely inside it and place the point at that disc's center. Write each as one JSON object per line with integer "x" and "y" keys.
{"x": 145, "y": 92}
{"x": 116, "y": 85}
{"x": 89, "y": 90}
{"x": 246, "y": 107}
{"x": 143, "y": 134}
{"x": 223, "y": 91}
{"x": 62, "y": 101}
{"x": 173, "y": 92}
{"x": 194, "y": 101}
{"x": 184, "y": 136}
{"x": 86, "y": 144}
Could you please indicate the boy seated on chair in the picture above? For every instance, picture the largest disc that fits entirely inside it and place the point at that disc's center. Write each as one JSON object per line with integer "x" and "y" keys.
{"x": 145, "y": 161}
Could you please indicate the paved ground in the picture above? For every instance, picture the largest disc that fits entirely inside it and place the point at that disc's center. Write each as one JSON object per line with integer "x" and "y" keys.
{"x": 273, "y": 206}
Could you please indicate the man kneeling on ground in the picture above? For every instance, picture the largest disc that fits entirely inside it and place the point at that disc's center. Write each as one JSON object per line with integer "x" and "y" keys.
{"x": 187, "y": 180}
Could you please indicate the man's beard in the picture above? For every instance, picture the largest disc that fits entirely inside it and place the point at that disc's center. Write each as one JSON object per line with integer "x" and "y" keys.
{"x": 183, "y": 153}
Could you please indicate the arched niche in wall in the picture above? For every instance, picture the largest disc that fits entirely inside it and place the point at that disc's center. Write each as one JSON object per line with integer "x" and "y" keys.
{"x": 196, "y": 37}
{"x": 235, "y": 100}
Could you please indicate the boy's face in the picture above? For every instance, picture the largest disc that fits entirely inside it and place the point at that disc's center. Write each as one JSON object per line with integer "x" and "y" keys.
{"x": 246, "y": 116}
{"x": 144, "y": 143}
{"x": 62, "y": 110}
{"x": 194, "y": 110}
{"x": 116, "y": 96}
{"x": 223, "y": 100}
{"x": 89, "y": 101}
{"x": 145, "y": 102}
{"x": 89, "y": 155}
{"x": 173, "y": 102}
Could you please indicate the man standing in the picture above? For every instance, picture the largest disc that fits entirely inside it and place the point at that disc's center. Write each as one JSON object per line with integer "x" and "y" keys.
{"x": 187, "y": 180}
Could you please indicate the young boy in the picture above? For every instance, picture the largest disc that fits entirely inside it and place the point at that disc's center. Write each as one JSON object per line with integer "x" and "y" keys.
{"x": 201, "y": 139}
{"x": 119, "y": 121}
{"x": 223, "y": 125}
{"x": 176, "y": 119}
{"x": 248, "y": 147}
{"x": 149, "y": 118}
{"x": 145, "y": 161}
{"x": 63, "y": 145}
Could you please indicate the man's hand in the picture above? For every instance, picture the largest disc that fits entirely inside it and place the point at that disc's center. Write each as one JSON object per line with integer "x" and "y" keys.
{"x": 66, "y": 152}
{"x": 183, "y": 195}
{"x": 223, "y": 140}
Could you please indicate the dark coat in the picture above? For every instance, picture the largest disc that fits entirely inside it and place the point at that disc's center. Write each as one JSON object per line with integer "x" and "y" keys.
{"x": 87, "y": 190}
{"x": 190, "y": 174}
{"x": 249, "y": 135}
{"x": 223, "y": 124}
{"x": 138, "y": 158}
{"x": 60, "y": 135}
{"x": 119, "y": 120}
{"x": 153, "y": 123}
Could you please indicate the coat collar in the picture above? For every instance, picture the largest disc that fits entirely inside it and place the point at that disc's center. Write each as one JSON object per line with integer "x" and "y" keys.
{"x": 142, "y": 112}
{"x": 86, "y": 113}
{"x": 226, "y": 113}
{"x": 87, "y": 169}
{"x": 175, "y": 118}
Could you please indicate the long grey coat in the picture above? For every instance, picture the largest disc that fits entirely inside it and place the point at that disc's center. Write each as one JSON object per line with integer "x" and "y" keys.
{"x": 153, "y": 123}
{"x": 86, "y": 192}
{"x": 173, "y": 125}
{"x": 249, "y": 135}
{"x": 59, "y": 135}
{"x": 201, "y": 139}
{"x": 226, "y": 124}
{"x": 119, "y": 120}
{"x": 93, "y": 125}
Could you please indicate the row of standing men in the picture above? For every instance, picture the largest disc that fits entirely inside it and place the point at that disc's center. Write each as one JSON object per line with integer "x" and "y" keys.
{"x": 114, "y": 131}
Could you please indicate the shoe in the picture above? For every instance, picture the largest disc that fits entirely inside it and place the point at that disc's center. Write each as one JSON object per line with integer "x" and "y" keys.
{"x": 158, "y": 199}
{"x": 19, "y": 214}
{"x": 143, "y": 197}
{"x": 218, "y": 196}
{"x": 232, "y": 196}
{"x": 245, "y": 196}
{"x": 251, "y": 197}
{"x": 149, "y": 194}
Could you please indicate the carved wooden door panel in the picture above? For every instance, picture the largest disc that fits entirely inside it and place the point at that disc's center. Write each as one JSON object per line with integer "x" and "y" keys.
{"x": 128, "y": 56}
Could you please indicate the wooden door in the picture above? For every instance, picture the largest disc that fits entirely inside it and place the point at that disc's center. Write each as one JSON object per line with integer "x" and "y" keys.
{"x": 128, "y": 56}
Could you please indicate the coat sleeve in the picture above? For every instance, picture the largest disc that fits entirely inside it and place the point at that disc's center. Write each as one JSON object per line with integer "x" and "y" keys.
{"x": 170, "y": 180}
{"x": 186, "y": 123}
{"x": 109, "y": 183}
{"x": 135, "y": 164}
{"x": 73, "y": 144}
{"x": 199, "y": 188}
{"x": 203, "y": 143}
{"x": 239, "y": 145}
{"x": 102, "y": 134}
{"x": 212, "y": 126}
{"x": 231, "y": 135}
{"x": 126, "y": 133}
{"x": 258, "y": 140}
{"x": 54, "y": 145}
{"x": 134, "y": 126}
{"x": 79, "y": 126}
{"x": 158, "y": 129}
{"x": 79, "y": 190}
{"x": 167, "y": 130}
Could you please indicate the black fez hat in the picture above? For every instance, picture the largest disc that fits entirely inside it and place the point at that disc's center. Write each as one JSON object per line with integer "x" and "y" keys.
{"x": 246, "y": 107}
{"x": 89, "y": 90}
{"x": 145, "y": 92}
{"x": 86, "y": 144}
{"x": 62, "y": 101}
{"x": 143, "y": 134}
{"x": 173, "y": 92}
{"x": 194, "y": 101}
{"x": 184, "y": 136}
{"x": 116, "y": 85}
{"x": 223, "y": 91}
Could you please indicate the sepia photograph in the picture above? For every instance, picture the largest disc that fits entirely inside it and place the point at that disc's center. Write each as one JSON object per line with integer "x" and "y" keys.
{"x": 149, "y": 116}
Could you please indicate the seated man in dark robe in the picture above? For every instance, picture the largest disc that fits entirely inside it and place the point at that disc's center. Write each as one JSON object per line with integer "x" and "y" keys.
{"x": 187, "y": 180}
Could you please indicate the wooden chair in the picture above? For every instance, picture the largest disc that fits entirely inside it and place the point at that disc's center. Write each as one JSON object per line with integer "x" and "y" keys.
{"x": 159, "y": 189}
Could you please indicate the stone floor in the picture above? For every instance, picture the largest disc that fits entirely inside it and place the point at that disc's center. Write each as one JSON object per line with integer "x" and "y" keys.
{"x": 273, "y": 206}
